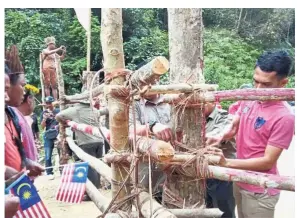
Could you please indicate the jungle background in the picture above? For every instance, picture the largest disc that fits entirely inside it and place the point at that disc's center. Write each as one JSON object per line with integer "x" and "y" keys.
{"x": 233, "y": 40}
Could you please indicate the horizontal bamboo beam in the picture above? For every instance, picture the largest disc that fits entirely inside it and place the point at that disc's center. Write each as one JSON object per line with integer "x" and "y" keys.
{"x": 159, "y": 150}
{"x": 157, "y": 209}
{"x": 106, "y": 173}
{"x": 201, "y": 213}
{"x": 149, "y": 73}
{"x": 181, "y": 88}
{"x": 280, "y": 94}
{"x": 254, "y": 178}
{"x": 85, "y": 95}
{"x": 177, "y": 159}
{"x": 98, "y": 165}
{"x": 98, "y": 199}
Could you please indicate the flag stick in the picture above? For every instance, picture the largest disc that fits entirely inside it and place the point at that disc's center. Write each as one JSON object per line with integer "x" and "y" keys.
{"x": 16, "y": 181}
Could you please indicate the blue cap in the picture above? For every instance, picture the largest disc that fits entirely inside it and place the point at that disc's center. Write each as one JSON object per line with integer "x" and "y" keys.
{"x": 49, "y": 99}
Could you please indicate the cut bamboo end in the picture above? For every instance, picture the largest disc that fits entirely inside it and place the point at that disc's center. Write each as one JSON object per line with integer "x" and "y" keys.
{"x": 160, "y": 65}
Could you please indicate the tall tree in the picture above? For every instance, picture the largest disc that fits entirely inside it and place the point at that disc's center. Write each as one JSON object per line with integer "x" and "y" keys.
{"x": 182, "y": 189}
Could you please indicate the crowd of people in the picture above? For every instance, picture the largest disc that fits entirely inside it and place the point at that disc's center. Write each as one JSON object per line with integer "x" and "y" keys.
{"x": 251, "y": 135}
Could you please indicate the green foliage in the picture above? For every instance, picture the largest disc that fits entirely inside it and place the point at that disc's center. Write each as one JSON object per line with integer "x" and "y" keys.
{"x": 231, "y": 45}
{"x": 139, "y": 50}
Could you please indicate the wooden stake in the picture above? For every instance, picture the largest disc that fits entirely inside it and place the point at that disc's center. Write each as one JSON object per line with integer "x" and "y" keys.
{"x": 150, "y": 73}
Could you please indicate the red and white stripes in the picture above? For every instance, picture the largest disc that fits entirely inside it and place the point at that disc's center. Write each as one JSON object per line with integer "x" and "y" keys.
{"x": 36, "y": 211}
{"x": 70, "y": 192}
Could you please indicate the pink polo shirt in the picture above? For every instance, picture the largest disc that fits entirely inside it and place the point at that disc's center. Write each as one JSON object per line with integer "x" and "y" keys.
{"x": 262, "y": 124}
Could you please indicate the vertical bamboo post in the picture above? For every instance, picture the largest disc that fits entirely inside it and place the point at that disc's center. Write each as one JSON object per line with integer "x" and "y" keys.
{"x": 89, "y": 41}
{"x": 64, "y": 148}
{"x": 113, "y": 55}
{"x": 41, "y": 80}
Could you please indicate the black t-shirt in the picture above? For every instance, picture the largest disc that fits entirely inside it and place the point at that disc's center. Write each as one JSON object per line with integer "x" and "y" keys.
{"x": 50, "y": 122}
{"x": 34, "y": 126}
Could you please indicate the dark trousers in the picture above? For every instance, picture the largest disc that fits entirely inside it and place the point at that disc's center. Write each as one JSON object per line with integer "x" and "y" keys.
{"x": 48, "y": 150}
{"x": 95, "y": 150}
{"x": 220, "y": 195}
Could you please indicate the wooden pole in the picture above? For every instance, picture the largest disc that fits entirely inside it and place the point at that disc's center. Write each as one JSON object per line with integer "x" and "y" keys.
{"x": 113, "y": 56}
{"x": 177, "y": 159}
{"x": 96, "y": 164}
{"x": 186, "y": 66}
{"x": 64, "y": 149}
{"x": 279, "y": 94}
{"x": 89, "y": 41}
{"x": 254, "y": 178}
{"x": 194, "y": 213}
{"x": 150, "y": 73}
{"x": 41, "y": 80}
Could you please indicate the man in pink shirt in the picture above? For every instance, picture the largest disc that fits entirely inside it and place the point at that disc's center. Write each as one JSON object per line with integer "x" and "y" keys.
{"x": 263, "y": 130}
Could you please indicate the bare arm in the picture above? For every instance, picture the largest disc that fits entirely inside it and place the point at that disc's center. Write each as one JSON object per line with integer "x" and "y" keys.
{"x": 226, "y": 134}
{"x": 63, "y": 55}
{"x": 67, "y": 114}
{"x": 49, "y": 52}
{"x": 264, "y": 163}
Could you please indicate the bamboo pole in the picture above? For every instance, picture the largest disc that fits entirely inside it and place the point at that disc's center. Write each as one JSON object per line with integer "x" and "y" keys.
{"x": 177, "y": 159}
{"x": 277, "y": 94}
{"x": 150, "y": 73}
{"x": 158, "y": 149}
{"x": 41, "y": 80}
{"x": 89, "y": 41}
{"x": 194, "y": 213}
{"x": 85, "y": 95}
{"x": 64, "y": 149}
{"x": 98, "y": 165}
{"x": 98, "y": 199}
{"x": 254, "y": 178}
{"x": 106, "y": 172}
{"x": 113, "y": 56}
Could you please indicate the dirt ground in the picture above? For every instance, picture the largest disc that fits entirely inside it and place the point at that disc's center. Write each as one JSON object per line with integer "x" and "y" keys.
{"x": 47, "y": 190}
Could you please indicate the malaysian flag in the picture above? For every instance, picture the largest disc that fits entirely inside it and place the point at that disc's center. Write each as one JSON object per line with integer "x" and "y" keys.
{"x": 73, "y": 183}
{"x": 31, "y": 206}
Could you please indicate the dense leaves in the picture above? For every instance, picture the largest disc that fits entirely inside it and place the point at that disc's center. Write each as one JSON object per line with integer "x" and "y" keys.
{"x": 233, "y": 39}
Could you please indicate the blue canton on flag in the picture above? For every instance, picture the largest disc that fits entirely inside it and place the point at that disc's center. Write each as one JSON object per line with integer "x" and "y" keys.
{"x": 30, "y": 203}
{"x": 73, "y": 183}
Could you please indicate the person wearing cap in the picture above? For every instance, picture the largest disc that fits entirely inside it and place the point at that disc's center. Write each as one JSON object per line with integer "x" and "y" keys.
{"x": 50, "y": 124}
{"x": 234, "y": 107}
{"x": 48, "y": 57}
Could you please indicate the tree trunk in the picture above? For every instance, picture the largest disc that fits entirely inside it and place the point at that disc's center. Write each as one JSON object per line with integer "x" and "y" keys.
{"x": 239, "y": 20}
{"x": 186, "y": 64}
{"x": 113, "y": 55}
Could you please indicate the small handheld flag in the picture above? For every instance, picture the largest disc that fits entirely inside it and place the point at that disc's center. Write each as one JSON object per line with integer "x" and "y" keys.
{"x": 31, "y": 205}
{"x": 73, "y": 183}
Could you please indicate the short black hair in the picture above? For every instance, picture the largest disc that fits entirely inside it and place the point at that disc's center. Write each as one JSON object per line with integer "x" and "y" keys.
{"x": 278, "y": 61}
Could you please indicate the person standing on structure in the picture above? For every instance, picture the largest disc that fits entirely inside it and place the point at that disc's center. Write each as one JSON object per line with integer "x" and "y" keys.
{"x": 49, "y": 66}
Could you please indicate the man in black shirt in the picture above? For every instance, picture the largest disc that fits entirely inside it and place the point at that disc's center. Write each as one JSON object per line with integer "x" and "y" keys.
{"x": 50, "y": 124}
